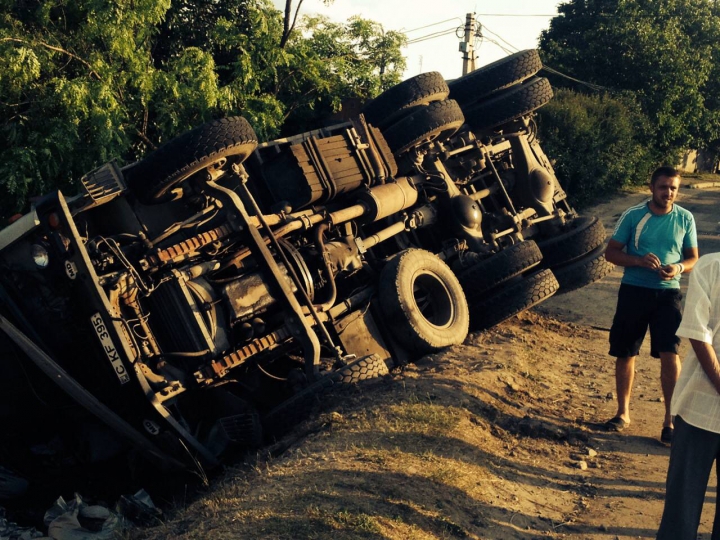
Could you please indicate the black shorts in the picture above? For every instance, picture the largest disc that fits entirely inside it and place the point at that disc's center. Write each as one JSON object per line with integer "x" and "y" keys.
{"x": 638, "y": 308}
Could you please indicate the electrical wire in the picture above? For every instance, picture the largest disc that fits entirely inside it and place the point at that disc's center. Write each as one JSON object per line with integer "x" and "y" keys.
{"x": 432, "y": 36}
{"x": 480, "y": 38}
{"x": 429, "y": 25}
{"x": 516, "y": 14}
{"x": 513, "y": 49}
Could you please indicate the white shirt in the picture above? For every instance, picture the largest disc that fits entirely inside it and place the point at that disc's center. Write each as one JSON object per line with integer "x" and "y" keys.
{"x": 695, "y": 398}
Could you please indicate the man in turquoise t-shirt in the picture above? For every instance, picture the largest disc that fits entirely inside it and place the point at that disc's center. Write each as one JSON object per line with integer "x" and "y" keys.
{"x": 656, "y": 242}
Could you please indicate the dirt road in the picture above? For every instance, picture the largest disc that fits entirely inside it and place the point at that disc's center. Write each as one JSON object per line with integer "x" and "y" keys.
{"x": 631, "y": 503}
{"x": 495, "y": 439}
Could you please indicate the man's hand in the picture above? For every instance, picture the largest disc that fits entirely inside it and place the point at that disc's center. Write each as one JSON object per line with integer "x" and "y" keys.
{"x": 650, "y": 261}
{"x": 669, "y": 272}
{"x": 708, "y": 359}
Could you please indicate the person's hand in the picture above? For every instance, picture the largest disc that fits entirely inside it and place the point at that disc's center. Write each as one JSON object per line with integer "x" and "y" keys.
{"x": 650, "y": 261}
{"x": 669, "y": 271}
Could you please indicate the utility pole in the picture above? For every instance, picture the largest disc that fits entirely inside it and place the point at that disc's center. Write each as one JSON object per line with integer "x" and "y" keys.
{"x": 467, "y": 45}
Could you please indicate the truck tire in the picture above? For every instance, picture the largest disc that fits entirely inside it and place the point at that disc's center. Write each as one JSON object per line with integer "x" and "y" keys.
{"x": 394, "y": 102}
{"x": 292, "y": 411}
{"x": 363, "y": 369}
{"x": 582, "y": 235}
{"x": 584, "y": 271}
{"x": 154, "y": 177}
{"x": 489, "y": 273}
{"x": 439, "y": 120}
{"x": 478, "y": 84}
{"x": 514, "y": 298}
{"x": 423, "y": 302}
{"x": 509, "y": 104}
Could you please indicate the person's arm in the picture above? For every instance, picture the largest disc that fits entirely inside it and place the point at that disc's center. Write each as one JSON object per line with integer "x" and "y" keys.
{"x": 690, "y": 254}
{"x": 708, "y": 360}
{"x": 614, "y": 254}
{"x": 691, "y": 257}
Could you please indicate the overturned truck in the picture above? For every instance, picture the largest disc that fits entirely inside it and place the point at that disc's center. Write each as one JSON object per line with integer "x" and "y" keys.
{"x": 198, "y": 301}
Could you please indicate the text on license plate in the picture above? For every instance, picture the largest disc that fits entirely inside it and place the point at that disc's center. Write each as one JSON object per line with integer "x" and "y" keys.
{"x": 109, "y": 348}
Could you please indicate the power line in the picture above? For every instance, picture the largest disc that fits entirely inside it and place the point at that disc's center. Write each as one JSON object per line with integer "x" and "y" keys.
{"x": 592, "y": 86}
{"x": 432, "y": 36}
{"x": 441, "y": 33}
{"x": 429, "y": 25}
{"x": 501, "y": 39}
{"x": 516, "y": 15}
{"x": 513, "y": 49}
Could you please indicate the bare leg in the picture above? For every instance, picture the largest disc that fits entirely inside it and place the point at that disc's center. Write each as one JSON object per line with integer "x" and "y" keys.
{"x": 624, "y": 377}
{"x": 669, "y": 373}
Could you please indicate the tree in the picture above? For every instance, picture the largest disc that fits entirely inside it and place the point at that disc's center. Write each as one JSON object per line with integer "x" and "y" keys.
{"x": 74, "y": 85}
{"x": 662, "y": 51}
{"x": 333, "y": 62}
{"x": 598, "y": 142}
{"x": 85, "y": 81}
{"x": 192, "y": 23}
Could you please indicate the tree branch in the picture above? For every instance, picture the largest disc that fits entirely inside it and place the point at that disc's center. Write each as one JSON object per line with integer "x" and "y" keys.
{"x": 57, "y": 49}
{"x": 147, "y": 141}
{"x": 287, "y": 27}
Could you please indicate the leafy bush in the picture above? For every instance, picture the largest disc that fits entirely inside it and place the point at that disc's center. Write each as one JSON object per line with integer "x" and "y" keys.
{"x": 663, "y": 52}
{"x": 599, "y": 143}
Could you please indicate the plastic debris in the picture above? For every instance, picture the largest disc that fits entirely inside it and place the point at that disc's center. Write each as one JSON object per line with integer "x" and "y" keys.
{"x": 76, "y": 520}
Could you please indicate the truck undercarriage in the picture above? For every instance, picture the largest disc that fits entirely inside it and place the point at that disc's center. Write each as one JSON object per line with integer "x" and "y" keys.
{"x": 199, "y": 300}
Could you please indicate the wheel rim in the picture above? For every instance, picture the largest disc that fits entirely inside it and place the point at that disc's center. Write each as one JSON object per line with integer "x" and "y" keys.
{"x": 433, "y": 300}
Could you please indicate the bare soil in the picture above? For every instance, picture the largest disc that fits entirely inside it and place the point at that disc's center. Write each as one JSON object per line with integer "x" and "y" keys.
{"x": 496, "y": 439}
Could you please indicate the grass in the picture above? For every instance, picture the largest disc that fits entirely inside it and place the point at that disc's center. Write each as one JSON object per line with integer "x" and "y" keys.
{"x": 410, "y": 458}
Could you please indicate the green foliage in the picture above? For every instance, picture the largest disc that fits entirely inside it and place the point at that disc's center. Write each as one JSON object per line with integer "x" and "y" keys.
{"x": 85, "y": 81}
{"x": 663, "y": 52}
{"x": 601, "y": 143}
{"x": 332, "y": 62}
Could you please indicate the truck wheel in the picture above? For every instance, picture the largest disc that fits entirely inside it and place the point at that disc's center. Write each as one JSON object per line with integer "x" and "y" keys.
{"x": 509, "y": 104}
{"x": 582, "y": 235}
{"x": 439, "y": 120}
{"x": 423, "y": 302}
{"x": 585, "y": 271}
{"x": 363, "y": 369}
{"x": 298, "y": 407}
{"x": 526, "y": 292}
{"x": 394, "y": 102}
{"x": 499, "y": 75}
{"x": 500, "y": 267}
{"x": 205, "y": 146}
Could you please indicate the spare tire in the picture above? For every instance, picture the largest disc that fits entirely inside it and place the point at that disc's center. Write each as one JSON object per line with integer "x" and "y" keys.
{"x": 422, "y": 302}
{"x": 484, "y": 81}
{"x": 158, "y": 173}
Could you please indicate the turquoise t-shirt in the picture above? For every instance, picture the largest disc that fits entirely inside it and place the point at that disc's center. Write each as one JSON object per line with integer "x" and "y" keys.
{"x": 642, "y": 232}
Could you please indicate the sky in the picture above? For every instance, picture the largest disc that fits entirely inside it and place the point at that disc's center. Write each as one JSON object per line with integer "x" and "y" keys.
{"x": 519, "y": 28}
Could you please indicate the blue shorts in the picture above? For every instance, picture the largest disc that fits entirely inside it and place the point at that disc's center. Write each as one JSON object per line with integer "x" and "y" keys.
{"x": 639, "y": 308}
